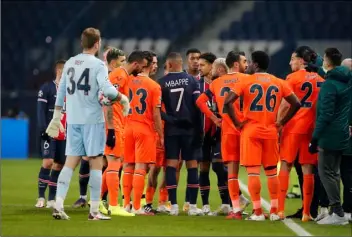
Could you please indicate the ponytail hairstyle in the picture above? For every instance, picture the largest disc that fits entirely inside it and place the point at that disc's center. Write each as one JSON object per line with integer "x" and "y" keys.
{"x": 309, "y": 57}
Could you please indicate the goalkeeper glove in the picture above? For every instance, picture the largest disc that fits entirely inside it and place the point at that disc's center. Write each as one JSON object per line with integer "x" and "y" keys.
{"x": 44, "y": 136}
{"x": 313, "y": 146}
{"x": 55, "y": 125}
{"x": 111, "y": 139}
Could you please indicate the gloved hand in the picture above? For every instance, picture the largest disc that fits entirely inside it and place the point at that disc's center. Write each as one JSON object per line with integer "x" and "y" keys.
{"x": 313, "y": 146}
{"x": 111, "y": 139}
{"x": 55, "y": 125}
{"x": 44, "y": 136}
{"x": 182, "y": 123}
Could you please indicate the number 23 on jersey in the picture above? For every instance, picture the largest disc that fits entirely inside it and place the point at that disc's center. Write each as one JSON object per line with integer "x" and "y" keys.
{"x": 140, "y": 106}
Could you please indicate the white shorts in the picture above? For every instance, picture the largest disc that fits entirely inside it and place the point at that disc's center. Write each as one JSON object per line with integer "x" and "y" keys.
{"x": 85, "y": 139}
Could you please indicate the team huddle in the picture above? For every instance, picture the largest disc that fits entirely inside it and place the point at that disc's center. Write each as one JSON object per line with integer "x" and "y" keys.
{"x": 121, "y": 125}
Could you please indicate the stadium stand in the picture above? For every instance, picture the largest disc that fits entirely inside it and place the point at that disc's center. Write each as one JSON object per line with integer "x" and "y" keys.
{"x": 290, "y": 20}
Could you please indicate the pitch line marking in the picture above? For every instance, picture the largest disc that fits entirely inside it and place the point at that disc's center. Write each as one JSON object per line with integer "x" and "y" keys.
{"x": 297, "y": 229}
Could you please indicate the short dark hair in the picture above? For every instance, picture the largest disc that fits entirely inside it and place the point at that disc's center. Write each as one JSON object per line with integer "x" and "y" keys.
{"x": 261, "y": 58}
{"x": 89, "y": 37}
{"x": 192, "y": 50}
{"x": 136, "y": 56}
{"x": 334, "y": 55}
{"x": 232, "y": 57}
{"x": 60, "y": 61}
{"x": 114, "y": 53}
{"x": 173, "y": 55}
{"x": 149, "y": 57}
{"x": 309, "y": 56}
{"x": 209, "y": 57}
{"x": 153, "y": 54}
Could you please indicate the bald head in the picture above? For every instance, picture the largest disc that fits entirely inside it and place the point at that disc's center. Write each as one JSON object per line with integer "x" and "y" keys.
{"x": 347, "y": 63}
{"x": 174, "y": 62}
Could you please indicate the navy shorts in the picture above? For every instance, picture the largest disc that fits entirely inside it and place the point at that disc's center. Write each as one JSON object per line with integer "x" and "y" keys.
{"x": 210, "y": 149}
{"x": 179, "y": 144}
{"x": 54, "y": 149}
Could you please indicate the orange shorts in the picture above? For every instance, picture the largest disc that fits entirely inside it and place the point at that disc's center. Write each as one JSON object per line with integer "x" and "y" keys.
{"x": 230, "y": 147}
{"x": 259, "y": 152}
{"x": 160, "y": 158}
{"x": 118, "y": 149}
{"x": 140, "y": 146}
{"x": 292, "y": 144}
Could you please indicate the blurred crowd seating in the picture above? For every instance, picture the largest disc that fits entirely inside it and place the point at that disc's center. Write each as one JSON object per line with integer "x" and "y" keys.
{"x": 291, "y": 20}
{"x": 33, "y": 28}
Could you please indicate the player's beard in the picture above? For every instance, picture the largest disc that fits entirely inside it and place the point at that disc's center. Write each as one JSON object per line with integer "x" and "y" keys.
{"x": 135, "y": 73}
{"x": 97, "y": 54}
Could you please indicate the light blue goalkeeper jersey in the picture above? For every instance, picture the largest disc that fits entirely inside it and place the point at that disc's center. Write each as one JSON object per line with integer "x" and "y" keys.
{"x": 82, "y": 78}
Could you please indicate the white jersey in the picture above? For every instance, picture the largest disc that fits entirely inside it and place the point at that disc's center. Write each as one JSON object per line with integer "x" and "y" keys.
{"x": 82, "y": 78}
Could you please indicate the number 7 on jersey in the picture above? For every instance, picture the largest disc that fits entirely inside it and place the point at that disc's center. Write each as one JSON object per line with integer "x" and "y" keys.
{"x": 181, "y": 90}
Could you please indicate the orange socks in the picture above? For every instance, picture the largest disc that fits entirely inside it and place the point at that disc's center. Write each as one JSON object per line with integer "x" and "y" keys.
{"x": 234, "y": 189}
{"x": 308, "y": 190}
{"x": 149, "y": 195}
{"x": 254, "y": 188}
{"x": 104, "y": 186}
{"x": 127, "y": 185}
{"x": 283, "y": 187}
{"x": 138, "y": 187}
{"x": 163, "y": 195}
{"x": 273, "y": 186}
{"x": 112, "y": 181}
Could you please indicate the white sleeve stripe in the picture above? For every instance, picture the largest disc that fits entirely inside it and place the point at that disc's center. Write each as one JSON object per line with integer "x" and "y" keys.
{"x": 43, "y": 100}
{"x": 196, "y": 92}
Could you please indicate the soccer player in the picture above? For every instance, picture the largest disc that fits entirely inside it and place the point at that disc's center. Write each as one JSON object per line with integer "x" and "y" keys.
{"x": 140, "y": 140}
{"x": 230, "y": 136}
{"x": 193, "y": 55}
{"x": 183, "y": 133}
{"x": 155, "y": 169}
{"x": 297, "y": 133}
{"x": 211, "y": 148}
{"x": 53, "y": 150}
{"x": 113, "y": 58}
{"x": 114, "y": 149}
{"x": 262, "y": 94}
{"x": 83, "y": 77}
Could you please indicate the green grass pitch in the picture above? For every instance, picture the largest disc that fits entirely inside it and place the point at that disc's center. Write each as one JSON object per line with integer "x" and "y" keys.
{"x": 20, "y": 218}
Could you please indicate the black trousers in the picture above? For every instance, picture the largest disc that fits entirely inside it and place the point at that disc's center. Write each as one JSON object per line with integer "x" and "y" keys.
{"x": 346, "y": 177}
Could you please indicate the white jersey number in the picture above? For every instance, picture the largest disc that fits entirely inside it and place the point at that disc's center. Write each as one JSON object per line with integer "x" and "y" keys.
{"x": 181, "y": 90}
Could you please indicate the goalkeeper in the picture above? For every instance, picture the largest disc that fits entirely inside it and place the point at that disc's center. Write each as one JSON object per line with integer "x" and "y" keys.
{"x": 83, "y": 77}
